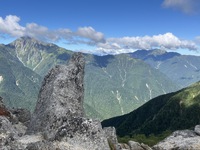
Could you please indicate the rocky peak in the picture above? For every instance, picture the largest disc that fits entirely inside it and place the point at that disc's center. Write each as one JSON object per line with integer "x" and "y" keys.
{"x": 31, "y": 51}
{"x": 26, "y": 45}
{"x": 25, "y": 41}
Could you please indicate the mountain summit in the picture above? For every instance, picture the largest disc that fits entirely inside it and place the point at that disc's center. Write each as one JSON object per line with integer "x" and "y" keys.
{"x": 34, "y": 54}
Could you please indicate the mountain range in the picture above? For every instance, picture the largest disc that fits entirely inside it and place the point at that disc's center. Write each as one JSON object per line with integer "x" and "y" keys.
{"x": 114, "y": 84}
{"x": 184, "y": 70}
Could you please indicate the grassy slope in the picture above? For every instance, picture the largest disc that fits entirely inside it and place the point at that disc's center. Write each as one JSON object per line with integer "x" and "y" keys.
{"x": 15, "y": 87}
{"x": 113, "y": 88}
{"x": 179, "y": 110}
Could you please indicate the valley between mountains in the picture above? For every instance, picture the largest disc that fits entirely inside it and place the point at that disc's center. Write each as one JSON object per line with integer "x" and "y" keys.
{"x": 114, "y": 84}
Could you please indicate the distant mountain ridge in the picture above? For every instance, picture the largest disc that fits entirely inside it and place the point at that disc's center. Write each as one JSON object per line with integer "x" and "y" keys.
{"x": 114, "y": 84}
{"x": 34, "y": 54}
{"x": 156, "y": 55}
{"x": 184, "y": 70}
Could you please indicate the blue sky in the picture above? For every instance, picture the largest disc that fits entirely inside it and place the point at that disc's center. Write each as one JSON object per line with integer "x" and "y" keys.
{"x": 105, "y": 26}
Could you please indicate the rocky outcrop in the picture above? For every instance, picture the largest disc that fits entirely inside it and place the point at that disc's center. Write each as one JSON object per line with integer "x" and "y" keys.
{"x": 137, "y": 146}
{"x": 110, "y": 133}
{"x": 132, "y": 145}
{"x": 197, "y": 129}
{"x": 58, "y": 121}
{"x": 179, "y": 140}
{"x": 21, "y": 115}
{"x": 10, "y": 128}
{"x": 59, "y": 113}
{"x": 60, "y": 98}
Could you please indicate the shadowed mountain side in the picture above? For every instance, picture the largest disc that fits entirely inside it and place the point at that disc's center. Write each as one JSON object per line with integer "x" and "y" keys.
{"x": 174, "y": 111}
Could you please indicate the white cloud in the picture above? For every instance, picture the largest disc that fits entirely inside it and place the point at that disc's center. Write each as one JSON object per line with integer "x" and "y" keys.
{"x": 10, "y": 26}
{"x": 89, "y": 36}
{"x": 90, "y": 33}
{"x": 128, "y": 44}
{"x": 34, "y": 30}
{"x": 186, "y": 6}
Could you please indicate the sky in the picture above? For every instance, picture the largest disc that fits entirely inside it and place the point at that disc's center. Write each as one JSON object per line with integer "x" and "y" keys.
{"x": 105, "y": 26}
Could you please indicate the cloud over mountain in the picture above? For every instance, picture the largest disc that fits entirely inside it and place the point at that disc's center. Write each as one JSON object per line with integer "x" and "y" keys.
{"x": 164, "y": 41}
{"x": 90, "y": 33}
{"x": 10, "y": 25}
{"x": 89, "y": 36}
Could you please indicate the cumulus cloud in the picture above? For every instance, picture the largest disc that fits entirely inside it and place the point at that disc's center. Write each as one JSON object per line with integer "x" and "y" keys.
{"x": 90, "y": 33}
{"x": 128, "y": 44}
{"x": 10, "y": 26}
{"x": 186, "y": 6}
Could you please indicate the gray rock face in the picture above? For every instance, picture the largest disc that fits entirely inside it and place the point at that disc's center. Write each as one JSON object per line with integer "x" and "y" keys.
{"x": 179, "y": 140}
{"x": 59, "y": 114}
{"x": 197, "y": 129}
{"x": 110, "y": 133}
{"x": 22, "y": 115}
{"x": 9, "y": 132}
{"x": 135, "y": 145}
{"x": 60, "y": 98}
{"x": 122, "y": 146}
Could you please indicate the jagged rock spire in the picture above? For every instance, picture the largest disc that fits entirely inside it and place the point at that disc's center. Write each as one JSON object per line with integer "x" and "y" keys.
{"x": 61, "y": 96}
{"x": 59, "y": 113}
